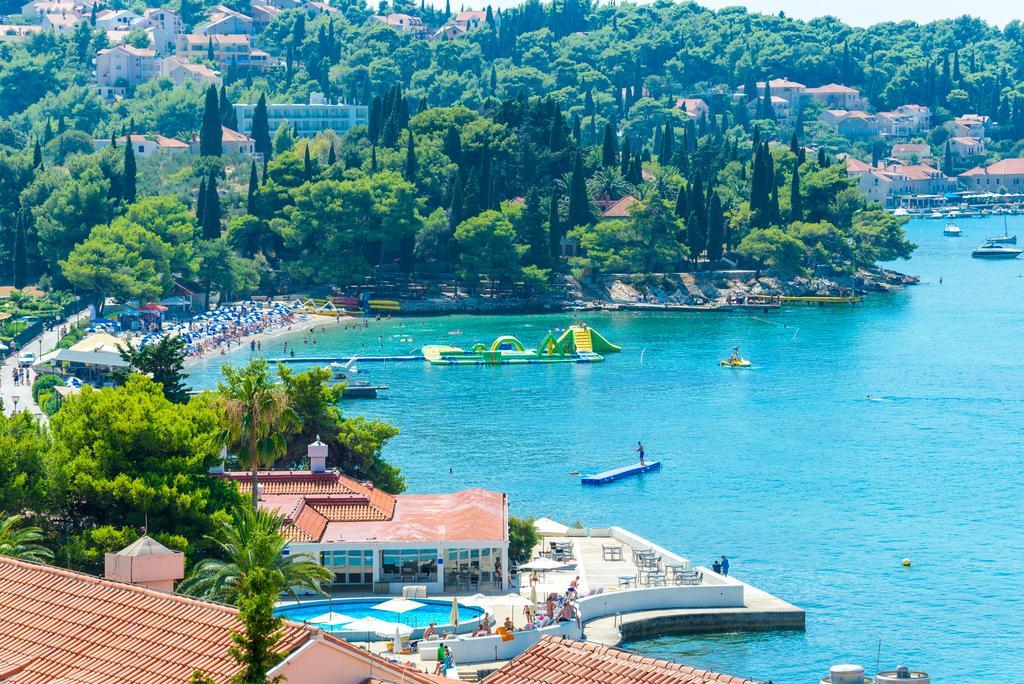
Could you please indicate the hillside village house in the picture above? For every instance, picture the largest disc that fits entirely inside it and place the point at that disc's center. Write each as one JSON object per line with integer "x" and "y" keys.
{"x": 181, "y": 71}
{"x": 225, "y": 50}
{"x": 694, "y": 106}
{"x": 146, "y": 145}
{"x": 969, "y": 126}
{"x": 380, "y": 542}
{"x": 123, "y": 67}
{"x": 854, "y": 125}
{"x": 836, "y": 96}
{"x": 223, "y": 20}
{"x": 962, "y": 147}
{"x": 58, "y": 625}
{"x": 911, "y": 152}
{"x": 14, "y": 32}
{"x": 63, "y": 24}
{"x": 1006, "y": 175}
{"x": 886, "y": 185}
{"x": 116, "y": 20}
{"x": 162, "y": 25}
{"x": 307, "y": 119}
{"x": 402, "y": 22}
{"x": 37, "y": 9}
{"x": 262, "y": 15}
{"x": 232, "y": 142}
{"x": 904, "y": 122}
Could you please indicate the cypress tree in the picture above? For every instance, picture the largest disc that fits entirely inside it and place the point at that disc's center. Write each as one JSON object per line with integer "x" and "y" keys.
{"x": 767, "y": 108}
{"x": 636, "y": 170}
{"x": 576, "y": 128}
{"x": 947, "y": 160}
{"x": 609, "y": 151}
{"x": 128, "y": 176}
{"x": 201, "y": 202}
{"x": 209, "y": 50}
{"x": 484, "y": 186}
{"x": 794, "y": 145}
{"x": 822, "y": 158}
{"x": 455, "y": 207}
{"x": 254, "y": 186}
{"x": 556, "y": 134}
{"x": 716, "y": 228}
{"x": 37, "y": 154}
{"x": 665, "y": 153}
{"x": 494, "y": 80}
{"x": 588, "y": 103}
{"x": 211, "y": 142}
{"x": 626, "y": 158}
{"x": 796, "y": 203}
{"x": 211, "y": 212}
{"x": 410, "y": 160}
{"x": 533, "y": 227}
{"x": 263, "y": 179}
{"x": 227, "y": 111}
{"x": 20, "y": 251}
{"x": 261, "y": 128}
{"x": 92, "y": 15}
{"x": 774, "y": 215}
{"x": 48, "y": 130}
{"x": 307, "y": 165}
{"x": 681, "y": 206}
{"x": 554, "y": 226}
{"x": 447, "y": 8}
{"x": 579, "y": 200}
{"x": 696, "y": 226}
{"x": 452, "y": 145}
{"x": 232, "y": 73}
{"x": 331, "y": 156}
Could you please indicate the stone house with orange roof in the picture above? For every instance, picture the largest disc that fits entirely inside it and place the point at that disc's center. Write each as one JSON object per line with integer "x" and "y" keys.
{"x": 1003, "y": 176}
{"x": 374, "y": 541}
{"x": 58, "y": 625}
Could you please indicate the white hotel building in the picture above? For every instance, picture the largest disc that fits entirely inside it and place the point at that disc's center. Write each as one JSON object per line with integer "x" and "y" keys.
{"x": 308, "y": 119}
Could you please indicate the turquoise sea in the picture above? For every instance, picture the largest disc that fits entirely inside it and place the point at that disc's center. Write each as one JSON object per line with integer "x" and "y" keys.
{"x": 862, "y": 436}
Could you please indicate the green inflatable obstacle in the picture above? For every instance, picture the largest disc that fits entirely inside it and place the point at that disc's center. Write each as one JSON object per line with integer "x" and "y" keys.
{"x": 582, "y": 338}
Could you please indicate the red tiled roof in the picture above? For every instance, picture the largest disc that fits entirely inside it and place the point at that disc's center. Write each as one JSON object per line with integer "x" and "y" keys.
{"x": 59, "y": 625}
{"x": 856, "y": 165}
{"x": 1006, "y": 167}
{"x": 621, "y": 208}
{"x": 833, "y": 88}
{"x": 556, "y": 660}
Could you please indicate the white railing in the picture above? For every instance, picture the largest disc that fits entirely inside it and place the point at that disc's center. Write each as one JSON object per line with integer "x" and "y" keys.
{"x": 489, "y": 648}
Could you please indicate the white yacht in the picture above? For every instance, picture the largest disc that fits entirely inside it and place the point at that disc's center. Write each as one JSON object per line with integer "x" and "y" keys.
{"x": 952, "y": 230}
{"x": 995, "y": 250}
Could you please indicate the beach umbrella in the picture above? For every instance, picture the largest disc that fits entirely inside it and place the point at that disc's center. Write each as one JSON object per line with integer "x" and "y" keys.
{"x": 454, "y": 615}
{"x": 543, "y": 564}
{"x": 475, "y": 600}
{"x": 395, "y": 629}
{"x": 332, "y": 618}
{"x": 399, "y": 605}
{"x": 513, "y": 600}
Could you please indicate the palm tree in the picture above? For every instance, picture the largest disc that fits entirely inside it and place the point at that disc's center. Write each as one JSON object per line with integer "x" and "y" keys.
{"x": 18, "y": 541}
{"x": 249, "y": 543}
{"x": 256, "y": 417}
{"x": 609, "y": 184}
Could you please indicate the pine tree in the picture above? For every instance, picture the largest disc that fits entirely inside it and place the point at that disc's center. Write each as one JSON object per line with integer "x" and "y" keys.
{"x": 609, "y": 151}
{"x": 579, "y": 200}
{"x": 129, "y": 174}
{"x": 37, "y": 155}
{"x": 261, "y": 128}
{"x": 227, "y": 111}
{"x": 211, "y": 211}
{"x": 20, "y": 251}
{"x": 410, "y": 160}
{"x": 554, "y": 226}
{"x": 796, "y": 203}
{"x": 211, "y": 142}
{"x": 254, "y": 187}
{"x": 532, "y": 220}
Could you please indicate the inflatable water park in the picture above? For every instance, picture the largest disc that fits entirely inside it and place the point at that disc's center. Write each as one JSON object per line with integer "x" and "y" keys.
{"x": 578, "y": 344}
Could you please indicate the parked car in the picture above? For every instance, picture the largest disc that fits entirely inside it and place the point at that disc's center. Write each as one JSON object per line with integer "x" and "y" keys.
{"x": 26, "y": 359}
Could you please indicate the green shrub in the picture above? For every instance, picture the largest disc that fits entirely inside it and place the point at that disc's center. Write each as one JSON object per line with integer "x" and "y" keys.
{"x": 522, "y": 537}
{"x": 45, "y": 383}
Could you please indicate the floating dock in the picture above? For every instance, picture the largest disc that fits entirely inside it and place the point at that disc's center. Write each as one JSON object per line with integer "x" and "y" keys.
{"x": 820, "y": 301}
{"x": 620, "y": 473}
{"x": 345, "y": 359}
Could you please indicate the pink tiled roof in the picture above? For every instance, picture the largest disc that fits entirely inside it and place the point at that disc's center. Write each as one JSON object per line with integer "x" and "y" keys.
{"x": 229, "y": 135}
{"x": 964, "y": 140}
{"x": 1006, "y": 167}
{"x": 833, "y": 88}
{"x": 856, "y": 165}
{"x": 556, "y": 660}
{"x": 621, "y": 208}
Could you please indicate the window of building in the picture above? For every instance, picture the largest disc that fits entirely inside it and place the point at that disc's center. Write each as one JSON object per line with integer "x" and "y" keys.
{"x": 408, "y": 565}
{"x": 350, "y": 567}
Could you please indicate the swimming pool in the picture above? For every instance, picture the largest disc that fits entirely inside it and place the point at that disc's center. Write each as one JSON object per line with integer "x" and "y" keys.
{"x": 435, "y": 611}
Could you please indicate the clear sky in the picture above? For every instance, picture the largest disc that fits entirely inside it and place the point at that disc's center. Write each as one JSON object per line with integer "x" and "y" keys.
{"x": 856, "y": 12}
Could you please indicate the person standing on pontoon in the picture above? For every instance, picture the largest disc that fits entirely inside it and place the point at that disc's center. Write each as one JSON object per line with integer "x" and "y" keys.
{"x": 640, "y": 450}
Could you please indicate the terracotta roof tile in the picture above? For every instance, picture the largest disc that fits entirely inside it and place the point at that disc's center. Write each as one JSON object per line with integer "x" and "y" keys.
{"x": 621, "y": 208}
{"x": 556, "y": 660}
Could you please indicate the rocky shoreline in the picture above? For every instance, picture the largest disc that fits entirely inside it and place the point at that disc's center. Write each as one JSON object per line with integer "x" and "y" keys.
{"x": 711, "y": 290}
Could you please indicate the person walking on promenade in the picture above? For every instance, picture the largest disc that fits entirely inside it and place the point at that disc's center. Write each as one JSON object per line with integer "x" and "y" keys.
{"x": 725, "y": 566}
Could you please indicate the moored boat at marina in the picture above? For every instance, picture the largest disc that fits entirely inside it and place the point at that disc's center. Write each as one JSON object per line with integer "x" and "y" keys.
{"x": 994, "y": 250}
{"x": 952, "y": 230}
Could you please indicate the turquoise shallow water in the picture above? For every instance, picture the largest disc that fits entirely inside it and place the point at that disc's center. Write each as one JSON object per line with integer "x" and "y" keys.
{"x": 814, "y": 491}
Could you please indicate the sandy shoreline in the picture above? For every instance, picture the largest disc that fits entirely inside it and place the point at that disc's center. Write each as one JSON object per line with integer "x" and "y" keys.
{"x": 310, "y": 321}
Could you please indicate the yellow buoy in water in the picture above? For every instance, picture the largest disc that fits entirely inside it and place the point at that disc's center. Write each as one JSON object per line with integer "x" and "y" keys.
{"x": 906, "y": 562}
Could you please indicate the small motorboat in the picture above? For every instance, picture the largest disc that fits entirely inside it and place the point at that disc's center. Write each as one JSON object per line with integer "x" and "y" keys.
{"x": 354, "y": 388}
{"x": 734, "y": 363}
{"x": 935, "y": 215}
{"x": 995, "y": 250}
{"x": 952, "y": 230}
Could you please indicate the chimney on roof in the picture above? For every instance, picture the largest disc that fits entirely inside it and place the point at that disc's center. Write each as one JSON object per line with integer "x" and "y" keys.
{"x": 318, "y": 456}
{"x": 219, "y": 468}
{"x": 145, "y": 562}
